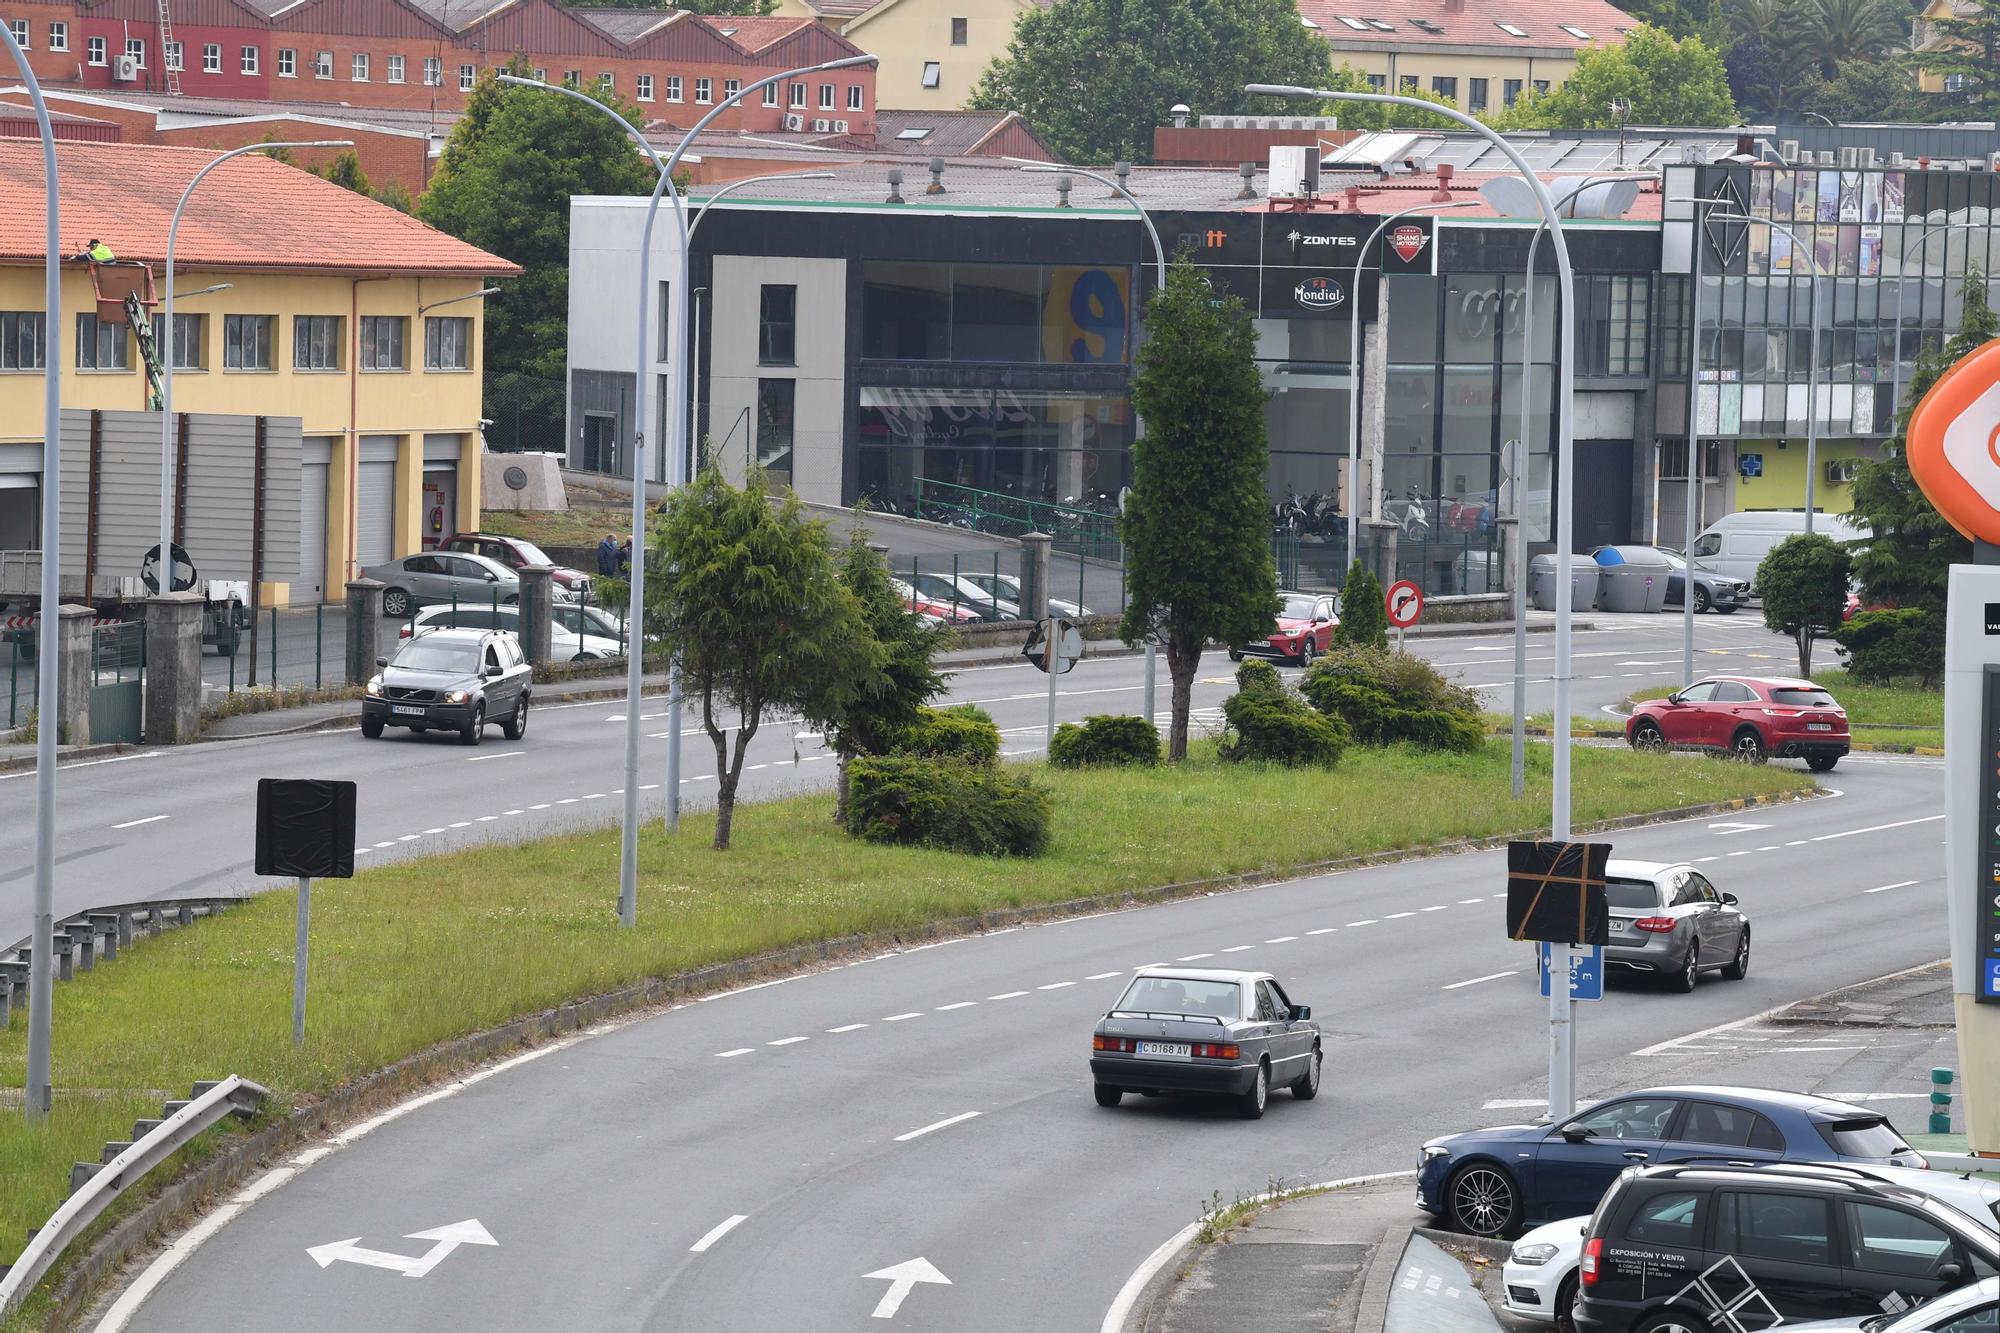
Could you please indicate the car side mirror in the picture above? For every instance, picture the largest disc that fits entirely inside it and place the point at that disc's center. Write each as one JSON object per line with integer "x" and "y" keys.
{"x": 1575, "y": 1134}
{"x": 381, "y": 661}
{"x": 1950, "y": 1274}
{"x": 1301, "y": 1012}
{"x": 1729, "y": 900}
{"x": 490, "y": 672}
{"x": 491, "y": 577}
{"x": 1674, "y": 698}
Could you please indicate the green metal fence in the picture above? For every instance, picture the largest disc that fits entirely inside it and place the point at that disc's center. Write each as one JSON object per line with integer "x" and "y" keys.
{"x": 1072, "y": 526}
{"x": 117, "y": 676}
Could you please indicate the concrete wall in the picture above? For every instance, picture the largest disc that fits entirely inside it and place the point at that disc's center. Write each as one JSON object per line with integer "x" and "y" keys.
{"x": 603, "y": 309}
{"x": 819, "y": 372}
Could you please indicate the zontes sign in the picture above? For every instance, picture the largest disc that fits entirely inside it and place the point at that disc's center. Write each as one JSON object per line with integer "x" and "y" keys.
{"x": 1319, "y": 293}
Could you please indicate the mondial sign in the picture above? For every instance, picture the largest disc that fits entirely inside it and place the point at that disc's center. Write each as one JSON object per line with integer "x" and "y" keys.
{"x": 1954, "y": 453}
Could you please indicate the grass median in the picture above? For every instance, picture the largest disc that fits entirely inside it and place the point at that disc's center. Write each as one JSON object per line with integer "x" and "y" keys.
{"x": 411, "y": 954}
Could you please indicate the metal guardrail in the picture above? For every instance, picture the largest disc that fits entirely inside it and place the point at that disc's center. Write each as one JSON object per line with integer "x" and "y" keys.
{"x": 76, "y": 936}
{"x": 210, "y": 1104}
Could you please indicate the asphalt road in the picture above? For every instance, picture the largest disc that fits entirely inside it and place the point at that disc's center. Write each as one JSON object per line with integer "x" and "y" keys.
{"x": 748, "y": 1162}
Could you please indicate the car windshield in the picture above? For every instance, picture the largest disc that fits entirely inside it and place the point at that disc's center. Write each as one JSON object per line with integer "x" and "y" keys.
{"x": 1180, "y": 995}
{"x": 428, "y": 654}
{"x": 531, "y": 554}
{"x": 585, "y": 620}
{"x": 1803, "y": 698}
{"x": 1297, "y": 608}
{"x": 1672, "y": 558}
{"x": 1870, "y": 1137}
{"x": 1631, "y": 893}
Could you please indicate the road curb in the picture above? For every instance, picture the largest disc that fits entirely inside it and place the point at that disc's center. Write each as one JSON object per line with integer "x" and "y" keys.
{"x": 66, "y": 757}
{"x": 194, "y": 1191}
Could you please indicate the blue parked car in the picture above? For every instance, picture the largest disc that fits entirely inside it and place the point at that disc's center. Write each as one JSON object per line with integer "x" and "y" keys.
{"x": 1491, "y": 1181}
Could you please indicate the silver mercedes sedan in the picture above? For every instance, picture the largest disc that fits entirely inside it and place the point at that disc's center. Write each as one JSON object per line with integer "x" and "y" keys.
{"x": 1199, "y": 1030}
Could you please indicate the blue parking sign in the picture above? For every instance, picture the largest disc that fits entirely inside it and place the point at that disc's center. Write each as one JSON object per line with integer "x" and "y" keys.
{"x": 1586, "y": 971}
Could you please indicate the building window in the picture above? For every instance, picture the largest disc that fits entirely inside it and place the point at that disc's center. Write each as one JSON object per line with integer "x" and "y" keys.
{"x": 958, "y": 32}
{"x": 357, "y": 69}
{"x": 394, "y": 74}
{"x": 288, "y": 63}
{"x": 775, "y": 402}
{"x": 59, "y": 37}
{"x": 731, "y": 87}
{"x": 1446, "y": 88}
{"x": 315, "y": 342}
{"x": 854, "y": 97}
{"x": 1378, "y": 83}
{"x": 22, "y": 340}
{"x": 1541, "y": 87}
{"x": 1476, "y": 93}
{"x": 382, "y": 342}
{"x": 1510, "y": 91}
{"x": 94, "y": 50}
{"x": 770, "y": 94}
{"x": 246, "y": 341}
{"x": 798, "y": 95}
{"x": 777, "y": 325}
{"x": 1407, "y": 83}
{"x": 701, "y": 92}
{"x": 1954, "y": 83}
{"x": 20, "y": 27}
{"x": 447, "y": 342}
{"x": 1612, "y": 317}
{"x": 467, "y": 76}
{"x": 541, "y": 75}
{"x": 607, "y": 81}
{"x": 135, "y": 48}
{"x": 322, "y": 64}
{"x": 826, "y": 97}
{"x": 211, "y": 57}
{"x": 101, "y": 345}
{"x": 176, "y": 61}
{"x": 933, "y": 73}
{"x": 645, "y": 92}
{"x": 248, "y": 60}
{"x": 433, "y": 72}
{"x": 673, "y": 87}
{"x": 188, "y": 340}
{"x": 572, "y": 78}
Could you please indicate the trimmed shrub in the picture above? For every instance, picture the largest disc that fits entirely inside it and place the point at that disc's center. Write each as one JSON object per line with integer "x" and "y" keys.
{"x": 1385, "y": 697}
{"x": 1105, "y": 740}
{"x": 1364, "y": 620}
{"x": 1256, "y": 676}
{"x": 954, "y": 807}
{"x": 1887, "y": 646}
{"x": 1280, "y": 729}
{"x": 964, "y": 734}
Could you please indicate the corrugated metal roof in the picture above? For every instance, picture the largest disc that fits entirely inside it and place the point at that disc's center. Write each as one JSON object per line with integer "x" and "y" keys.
{"x": 1522, "y": 24}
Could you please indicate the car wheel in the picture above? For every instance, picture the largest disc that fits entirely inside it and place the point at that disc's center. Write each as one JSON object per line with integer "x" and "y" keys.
{"x": 1674, "y": 1321}
{"x": 1107, "y": 1096}
{"x": 371, "y": 727}
{"x": 1236, "y": 654}
{"x": 475, "y": 730}
{"x": 1748, "y": 746}
{"x": 1251, "y": 1104}
{"x": 1306, "y": 1086}
{"x": 1690, "y": 971}
{"x": 1702, "y": 601}
{"x": 1648, "y": 736}
{"x": 516, "y": 726}
{"x": 1306, "y": 650}
{"x": 1822, "y": 763}
{"x": 1482, "y": 1200}
{"x": 1739, "y": 966}
{"x": 1727, "y": 610}
{"x": 1565, "y": 1302}
{"x": 395, "y": 603}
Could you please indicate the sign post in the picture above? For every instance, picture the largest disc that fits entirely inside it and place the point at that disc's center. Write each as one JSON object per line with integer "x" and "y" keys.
{"x": 1954, "y": 455}
{"x": 1053, "y": 645}
{"x": 1555, "y": 893}
{"x": 305, "y": 828}
{"x": 1403, "y": 603}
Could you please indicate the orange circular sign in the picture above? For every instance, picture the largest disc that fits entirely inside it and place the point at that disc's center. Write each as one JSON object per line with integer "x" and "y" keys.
{"x": 1954, "y": 444}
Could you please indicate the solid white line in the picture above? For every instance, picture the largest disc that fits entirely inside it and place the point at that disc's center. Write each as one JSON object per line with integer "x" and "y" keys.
{"x": 1281, "y": 939}
{"x": 720, "y": 1230}
{"x": 134, "y": 823}
{"x": 897, "y": 1018}
{"x": 1100, "y": 976}
{"x": 1899, "y": 884}
{"x": 785, "y": 1041}
{"x": 848, "y": 1027}
{"x": 919, "y": 1133}
{"x": 1878, "y": 828}
{"x": 1490, "y": 976}
{"x": 1007, "y": 995}
{"x": 962, "y": 1004}
{"x": 740, "y": 1050}
{"x": 1058, "y": 985}
{"x": 87, "y": 763}
{"x": 504, "y": 754}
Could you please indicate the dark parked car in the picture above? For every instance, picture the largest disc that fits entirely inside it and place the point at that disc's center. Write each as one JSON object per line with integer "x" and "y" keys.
{"x": 460, "y": 680}
{"x": 1304, "y": 630}
{"x": 1748, "y": 717}
{"x": 1712, "y": 591}
{"x": 1490, "y": 1181}
{"x": 515, "y": 552}
{"x": 1200, "y": 1030}
{"x": 1699, "y": 1249}
{"x": 1670, "y": 922}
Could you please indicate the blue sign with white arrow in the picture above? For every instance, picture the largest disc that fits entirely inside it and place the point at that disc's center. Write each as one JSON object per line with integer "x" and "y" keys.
{"x": 1586, "y": 971}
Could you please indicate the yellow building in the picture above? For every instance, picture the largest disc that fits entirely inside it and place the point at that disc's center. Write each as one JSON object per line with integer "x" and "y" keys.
{"x": 932, "y": 51}
{"x": 363, "y": 323}
{"x": 1925, "y": 36}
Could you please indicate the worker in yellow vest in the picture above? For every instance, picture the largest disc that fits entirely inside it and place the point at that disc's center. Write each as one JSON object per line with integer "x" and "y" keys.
{"x": 97, "y": 252}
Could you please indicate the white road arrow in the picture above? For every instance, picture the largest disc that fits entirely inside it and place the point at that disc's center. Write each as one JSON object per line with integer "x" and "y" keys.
{"x": 443, "y": 1240}
{"x": 901, "y": 1278}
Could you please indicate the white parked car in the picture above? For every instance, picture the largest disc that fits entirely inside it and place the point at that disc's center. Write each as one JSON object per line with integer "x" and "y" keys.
{"x": 565, "y": 644}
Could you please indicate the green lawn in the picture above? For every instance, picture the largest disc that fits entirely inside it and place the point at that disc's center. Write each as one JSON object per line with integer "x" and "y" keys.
{"x": 579, "y": 525}
{"x": 408, "y": 955}
{"x": 1900, "y": 715}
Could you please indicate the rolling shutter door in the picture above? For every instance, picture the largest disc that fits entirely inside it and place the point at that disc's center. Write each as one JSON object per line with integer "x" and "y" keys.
{"x": 311, "y": 584}
{"x": 376, "y": 514}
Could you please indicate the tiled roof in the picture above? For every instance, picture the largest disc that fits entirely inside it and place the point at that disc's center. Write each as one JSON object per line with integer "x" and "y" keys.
{"x": 625, "y": 25}
{"x": 251, "y": 213}
{"x": 182, "y": 110}
{"x": 1527, "y": 24}
{"x": 946, "y": 133}
{"x": 754, "y": 34}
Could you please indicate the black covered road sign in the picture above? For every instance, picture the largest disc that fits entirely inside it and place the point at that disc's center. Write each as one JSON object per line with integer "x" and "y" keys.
{"x": 1555, "y": 892}
{"x": 305, "y": 827}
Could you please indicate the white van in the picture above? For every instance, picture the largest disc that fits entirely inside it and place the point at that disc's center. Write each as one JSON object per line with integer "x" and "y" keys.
{"x": 1735, "y": 544}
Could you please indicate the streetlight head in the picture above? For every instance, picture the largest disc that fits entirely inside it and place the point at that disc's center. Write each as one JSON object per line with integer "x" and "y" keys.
{"x": 850, "y": 61}
{"x": 1276, "y": 90}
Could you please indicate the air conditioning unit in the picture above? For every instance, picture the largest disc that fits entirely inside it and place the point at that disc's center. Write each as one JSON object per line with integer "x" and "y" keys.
{"x": 1841, "y": 471}
{"x": 125, "y": 69}
{"x": 1867, "y": 158}
{"x": 1294, "y": 171}
{"x": 1895, "y": 157}
{"x": 793, "y": 121}
{"x": 822, "y": 126}
{"x": 1850, "y": 158}
{"x": 840, "y": 127}
{"x": 1789, "y": 150}
{"x": 1826, "y": 157}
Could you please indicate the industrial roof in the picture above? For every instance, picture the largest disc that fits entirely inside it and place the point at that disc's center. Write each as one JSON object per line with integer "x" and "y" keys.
{"x": 944, "y": 133}
{"x": 1528, "y": 25}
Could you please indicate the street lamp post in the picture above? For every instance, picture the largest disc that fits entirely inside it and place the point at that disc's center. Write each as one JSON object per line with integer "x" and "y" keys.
{"x": 166, "y": 564}
{"x": 1354, "y": 370}
{"x": 38, "y": 1093}
{"x": 1562, "y": 1091}
{"x": 628, "y": 854}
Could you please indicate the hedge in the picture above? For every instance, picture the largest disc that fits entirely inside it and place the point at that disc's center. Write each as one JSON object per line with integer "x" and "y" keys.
{"x": 1105, "y": 740}
{"x": 1385, "y": 698}
{"x": 1268, "y": 722}
{"x": 964, "y": 734}
{"x": 958, "y": 807}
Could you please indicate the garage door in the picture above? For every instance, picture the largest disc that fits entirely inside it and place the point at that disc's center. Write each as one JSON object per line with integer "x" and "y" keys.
{"x": 376, "y": 514}
{"x": 311, "y": 584}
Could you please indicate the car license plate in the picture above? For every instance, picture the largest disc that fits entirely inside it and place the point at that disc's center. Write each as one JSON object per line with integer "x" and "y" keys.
{"x": 1819, "y": 726}
{"x": 1168, "y": 1050}
{"x": 416, "y": 710}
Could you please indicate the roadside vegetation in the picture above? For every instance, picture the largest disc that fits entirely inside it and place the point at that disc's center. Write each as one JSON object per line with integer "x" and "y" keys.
{"x": 406, "y": 956}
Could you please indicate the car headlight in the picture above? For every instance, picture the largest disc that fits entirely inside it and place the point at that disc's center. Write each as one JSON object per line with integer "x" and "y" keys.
{"x": 1533, "y": 1256}
{"x": 375, "y": 687}
{"x": 457, "y": 696}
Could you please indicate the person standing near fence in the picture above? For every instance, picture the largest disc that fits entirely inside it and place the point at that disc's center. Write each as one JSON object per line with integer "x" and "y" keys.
{"x": 607, "y": 556}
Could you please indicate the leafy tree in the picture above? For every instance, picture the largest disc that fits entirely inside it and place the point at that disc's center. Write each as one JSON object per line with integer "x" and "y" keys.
{"x": 1374, "y": 116}
{"x": 1681, "y": 18}
{"x": 1762, "y": 78}
{"x": 1666, "y": 81}
{"x": 345, "y": 171}
{"x": 867, "y": 712}
{"x": 1803, "y": 582}
{"x": 1838, "y": 30}
{"x": 1196, "y": 525}
{"x": 397, "y": 197}
{"x": 1364, "y": 618}
{"x": 1095, "y": 76}
{"x": 1907, "y": 561}
{"x": 750, "y": 608}
{"x": 1970, "y": 48}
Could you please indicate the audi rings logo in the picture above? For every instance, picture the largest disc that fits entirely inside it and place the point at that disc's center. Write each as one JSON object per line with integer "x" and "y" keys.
{"x": 1319, "y": 293}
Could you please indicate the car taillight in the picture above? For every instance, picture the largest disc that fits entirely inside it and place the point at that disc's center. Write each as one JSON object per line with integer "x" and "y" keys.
{"x": 1591, "y": 1253}
{"x": 403, "y": 633}
{"x": 1659, "y": 925}
{"x": 1122, "y": 1044}
{"x": 1207, "y": 1050}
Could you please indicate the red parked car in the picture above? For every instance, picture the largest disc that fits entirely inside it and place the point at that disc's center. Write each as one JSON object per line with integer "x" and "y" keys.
{"x": 1746, "y": 717}
{"x": 1304, "y": 630}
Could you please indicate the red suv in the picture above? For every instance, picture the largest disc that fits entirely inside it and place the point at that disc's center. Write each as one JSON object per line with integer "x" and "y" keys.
{"x": 1746, "y": 717}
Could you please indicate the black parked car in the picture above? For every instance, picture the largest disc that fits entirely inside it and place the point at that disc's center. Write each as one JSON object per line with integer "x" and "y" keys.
{"x": 458, "y": 680}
